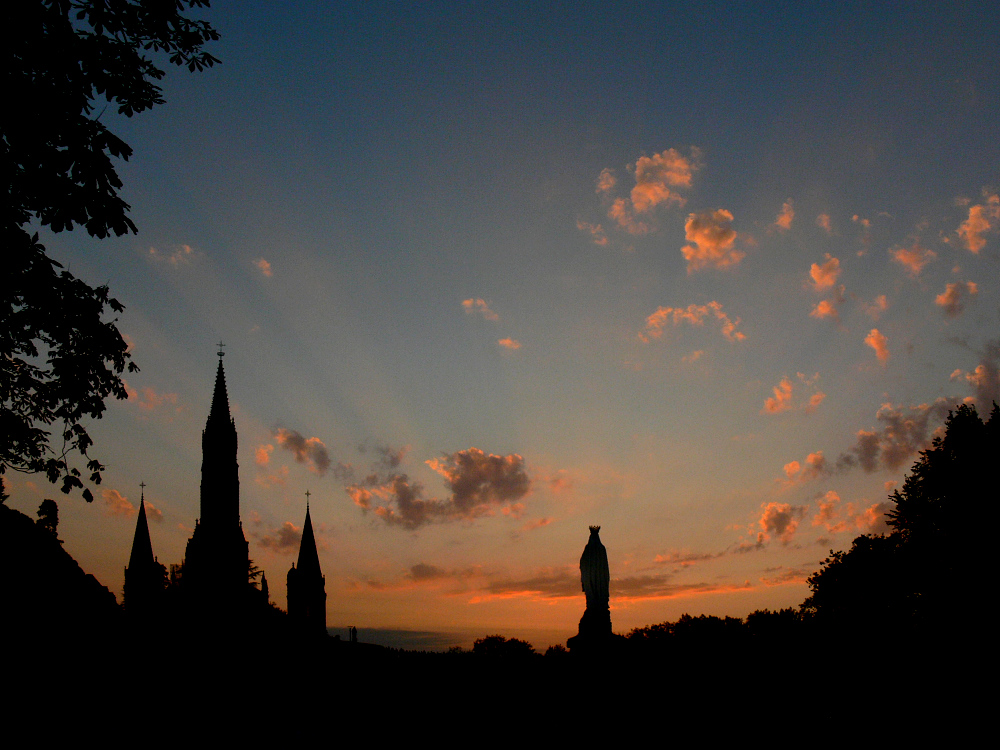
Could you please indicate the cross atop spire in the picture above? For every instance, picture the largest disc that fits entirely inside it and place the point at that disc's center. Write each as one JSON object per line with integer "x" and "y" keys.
{"x": 308, "y": 493}
{"x": 142, "y": 487}
{"x": 220, "y": 352}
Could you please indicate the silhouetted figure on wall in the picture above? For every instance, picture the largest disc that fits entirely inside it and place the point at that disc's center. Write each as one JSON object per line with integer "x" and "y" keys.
{"x": 595, "y": 577}
{"x": 307, "y": 585}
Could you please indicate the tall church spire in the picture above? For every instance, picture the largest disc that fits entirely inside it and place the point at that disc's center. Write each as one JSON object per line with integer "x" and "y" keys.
{"x": 145, "y": 578}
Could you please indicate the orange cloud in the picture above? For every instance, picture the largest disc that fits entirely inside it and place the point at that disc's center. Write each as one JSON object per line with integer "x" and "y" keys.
{"x": 480, "y": 306}
{"x": 879, "y": 343}
{"x": 693, "y": 356}
{"x": 309, "y": 451}
{"x": 781, "y": 520}
{"x": 620, "y": 212}
{"x": 264, "y": 266}
{"x": 971, "y": 230}
{"x": 823, "y": 222}
{"x": 876, "y": 308}
{"x": 814, "y": 467}
{"x": 826, "y": 308}
{"x": 952, "y": 299}
{"x": 178, "y": 255}
{"x": 913, "y": 259}
{"x": 595, "y": 231}
{"x": 713, "y": 238}
{"x": 151, "y": 399}
{"x": 851, "y": 517}
{"x": 116, "y": 504}
{"x": 783, "y": 401}
{"x": 784, "y": 220}
{"x": 262, "y": 456}
{"x": 606, "y": 181}
{"x": 826, "y": 275}
{"x": 278, "y": 478}
{"x": 284, "y": 539}
{"x": 694, "y": 315}
{"x": 509, "y": 343}
{"x": 653, "y": 175}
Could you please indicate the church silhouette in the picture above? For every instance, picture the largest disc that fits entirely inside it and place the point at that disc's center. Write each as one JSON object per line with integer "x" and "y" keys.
{"x": 215, "y": 585}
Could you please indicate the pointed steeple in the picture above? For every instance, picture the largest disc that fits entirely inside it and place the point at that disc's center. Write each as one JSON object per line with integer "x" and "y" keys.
{"x": 219, "y": 413}
{"x": 308, "y": 556}
{"x": 142, "y": 547}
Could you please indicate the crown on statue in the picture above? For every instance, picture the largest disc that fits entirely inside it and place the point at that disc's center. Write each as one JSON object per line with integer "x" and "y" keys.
{"x": 594, "y": 529}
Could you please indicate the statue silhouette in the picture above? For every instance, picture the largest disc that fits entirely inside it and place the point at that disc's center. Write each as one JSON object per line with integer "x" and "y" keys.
{"x": 595, "y": 578}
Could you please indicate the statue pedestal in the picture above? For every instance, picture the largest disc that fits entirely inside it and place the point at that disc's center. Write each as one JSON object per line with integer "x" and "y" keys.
{"x": 595, "y": 631}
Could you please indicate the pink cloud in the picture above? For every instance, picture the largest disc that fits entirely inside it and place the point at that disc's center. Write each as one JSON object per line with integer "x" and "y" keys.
{"x": 263, "y": 266}
{"x": 509, "y": 343}
{"x": 876, "y": 308}
{"x": 262, "y": 455}
{"x": 879, "y": 343}
{"x": 309, "y": 451}
{"x": 823, "y": 222}
{"x": 116, "y": 504}
{"x": 952, "y": 299}
{"x": 914, "y": 258}
{"x": 714, "y": 240}
{"x": 782, "y": 399}
{"x": 480, "y": 306}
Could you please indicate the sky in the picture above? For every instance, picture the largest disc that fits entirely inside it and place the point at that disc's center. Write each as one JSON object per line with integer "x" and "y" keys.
{"x": 707, "y": 275}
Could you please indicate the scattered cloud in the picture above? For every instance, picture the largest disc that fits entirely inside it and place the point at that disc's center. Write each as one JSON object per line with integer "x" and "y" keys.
{"x": 971, "y": 230}
{"x": 693, "y": 315}
{"x": 879, "y": 343}
{"x": 275, "y": 479}
{"x": 423, "y": 572}
{"x": 952, "y": 299}
{"x": 836, "y": 518}
{"x": 606, "y": 181}
{"x": 913, "y": 258}
{"x": 825, "y": 276}
{"x": 693, "y": 356}
{"x": 786, "y": 216}
{"x": 813, "y": 467}
{"x": 262, "y": 455}
{"x": 309, "y": 451}
{"x": 655, "y": 176}
{"x": 176, "y": 255}
{"x": 877, "y": 307}
{"x": 284, "y": 539}
{"x": 903, "y": 432}
{"x": 829, "y": 308}
{"x": 985, "y": 378}
{"x": 479, "y": 306}
{"x": 595, "y": 231}
{"x": 685, "y": 559}
{"x": 713, "y": 241}
{"x": 509, "y": 343}
{"x": 263, "y": 266}
{"x": 783, "y": 400}
{"x": 151, "y": 400}
{"x": 479, "y": 484}
{"x": 823, "y": 222}
{"x": 781, "y": 520}
{"x": 116, "y": 504}
{"x": 621, "y": 213}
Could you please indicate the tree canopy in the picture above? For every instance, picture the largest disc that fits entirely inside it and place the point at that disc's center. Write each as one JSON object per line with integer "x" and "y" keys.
{"x": 59, "y": 358}
{"x": 934, "y": 560}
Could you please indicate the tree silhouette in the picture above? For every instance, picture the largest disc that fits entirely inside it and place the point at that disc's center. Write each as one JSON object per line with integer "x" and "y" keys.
{"x": 59, "y": 358}
{"x": 915, "y": 579}
{"x": 48, "y": 517}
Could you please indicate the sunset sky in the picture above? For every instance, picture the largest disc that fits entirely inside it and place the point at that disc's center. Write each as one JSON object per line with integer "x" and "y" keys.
{"x": 706, "y": 274}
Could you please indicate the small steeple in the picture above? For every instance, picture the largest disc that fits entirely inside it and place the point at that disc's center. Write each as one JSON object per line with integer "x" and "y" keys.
{"x": 142, "y": 547}
{"x": 308, "y": 556}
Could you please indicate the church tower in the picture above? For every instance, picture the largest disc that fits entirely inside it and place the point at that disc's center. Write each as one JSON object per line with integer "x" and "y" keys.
{"x": 216, "y": 562}
{"x": 145, "y": 578}
{"x": 307, "y": 584}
